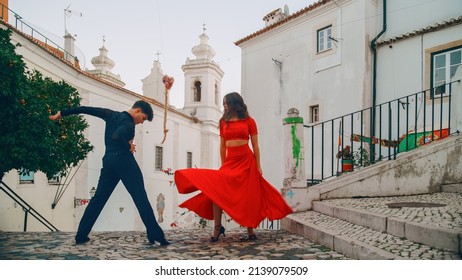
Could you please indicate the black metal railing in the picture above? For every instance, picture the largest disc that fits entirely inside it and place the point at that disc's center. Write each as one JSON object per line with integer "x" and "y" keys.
{"x": 267, "y": 224}
{"x": 17, "y": 21}
{"x": 26, "y": 208}
{"x": 345, "y": 143}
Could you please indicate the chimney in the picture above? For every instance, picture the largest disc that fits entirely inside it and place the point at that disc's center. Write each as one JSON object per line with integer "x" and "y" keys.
{"x": 273, "y": 17}
{"x": 69, "y": 48}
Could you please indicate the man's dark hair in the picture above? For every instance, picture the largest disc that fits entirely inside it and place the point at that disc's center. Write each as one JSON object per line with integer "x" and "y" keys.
{"x": 145, "y": 107}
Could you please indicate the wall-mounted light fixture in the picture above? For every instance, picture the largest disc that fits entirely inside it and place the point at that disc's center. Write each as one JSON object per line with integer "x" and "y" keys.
{"x": 92, "y": 192}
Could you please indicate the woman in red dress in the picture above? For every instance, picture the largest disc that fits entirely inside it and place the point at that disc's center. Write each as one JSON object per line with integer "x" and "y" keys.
{"x": 238, "y": 187}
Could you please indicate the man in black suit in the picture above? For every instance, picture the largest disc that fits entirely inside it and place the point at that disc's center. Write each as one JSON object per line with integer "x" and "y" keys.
{"x": 118, "y": 164}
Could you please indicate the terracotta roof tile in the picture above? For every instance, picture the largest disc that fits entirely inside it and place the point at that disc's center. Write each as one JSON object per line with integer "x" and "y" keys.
{"x": 283, "y": 21}
{"x": 431, "y": 28}
{"x": 76, "y": 67}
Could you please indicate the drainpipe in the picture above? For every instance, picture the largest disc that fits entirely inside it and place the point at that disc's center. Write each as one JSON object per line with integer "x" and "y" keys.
{"x": 374, "y": 73}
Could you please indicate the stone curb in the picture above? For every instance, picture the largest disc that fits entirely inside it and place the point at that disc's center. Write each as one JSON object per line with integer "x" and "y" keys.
{"x": 360, "y": 250}
{"x": 335, "y": 240}
{"x": 432, "y": 236}
{"x": 374, "y": 221}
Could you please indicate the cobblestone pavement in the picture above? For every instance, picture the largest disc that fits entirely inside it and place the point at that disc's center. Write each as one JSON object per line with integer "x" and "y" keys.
{"x": 439, "y": 211}
{"x": 193, "y": 244}
{"x": 448, "y": 216}
{"x": 398, "y": 246}
{"x": 186, "y": 245}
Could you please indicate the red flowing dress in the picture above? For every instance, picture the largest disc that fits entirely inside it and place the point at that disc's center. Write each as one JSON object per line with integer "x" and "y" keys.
{"x": 237, "y": 187}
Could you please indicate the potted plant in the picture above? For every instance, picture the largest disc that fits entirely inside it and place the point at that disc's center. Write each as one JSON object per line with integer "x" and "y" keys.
{"x": 347, "y": 158}
{"x": 361, "y": 158}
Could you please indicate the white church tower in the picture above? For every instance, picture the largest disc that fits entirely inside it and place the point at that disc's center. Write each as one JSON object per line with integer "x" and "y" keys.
{"x": 203, "y": 83}
{"x": 152, "y": 84}
{"x": 203, "y": 96}
{"x": 103, "y": 66}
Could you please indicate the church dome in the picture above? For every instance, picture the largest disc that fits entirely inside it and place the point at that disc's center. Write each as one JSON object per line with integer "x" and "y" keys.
{"x": 102, "y": 61}
{"x": 103, "y": 65}
{"x": 203, "y": 50}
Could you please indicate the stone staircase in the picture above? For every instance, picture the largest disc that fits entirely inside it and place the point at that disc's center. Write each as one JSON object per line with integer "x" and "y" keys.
{"x": 367, "y": 228}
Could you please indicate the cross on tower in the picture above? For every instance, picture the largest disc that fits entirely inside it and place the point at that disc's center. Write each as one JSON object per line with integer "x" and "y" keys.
{"x": 203, "y": 28}
{"x": 158, "y": 53}
{"x": 104, "y": 39}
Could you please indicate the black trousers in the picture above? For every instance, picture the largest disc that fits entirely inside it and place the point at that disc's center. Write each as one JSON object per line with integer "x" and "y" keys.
{"x": 115, "y": 168}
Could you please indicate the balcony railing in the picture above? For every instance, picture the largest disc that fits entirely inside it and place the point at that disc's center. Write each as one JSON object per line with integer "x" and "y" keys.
{"x": 17, "y": 21}
{"x": 378, "y": 133}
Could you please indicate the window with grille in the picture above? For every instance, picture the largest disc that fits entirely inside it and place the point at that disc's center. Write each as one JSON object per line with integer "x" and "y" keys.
{"x": 324, "y": 39}
{"x": 444, "y": 67}
{"x": 189, "y": 159}
{"x": 55, "y": 179}
{"x": 159, "y": 158}
{"x": 26, "y": 177}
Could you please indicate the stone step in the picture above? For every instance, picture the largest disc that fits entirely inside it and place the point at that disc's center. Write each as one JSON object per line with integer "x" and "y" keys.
{"x": 359, "y": 242}
{"x": 436, "y": 235}
{"x": 452, "y": 188}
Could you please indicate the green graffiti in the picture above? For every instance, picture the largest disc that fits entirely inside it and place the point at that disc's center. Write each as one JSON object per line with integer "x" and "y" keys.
{"x": 293, "y": 120}
{"x": 296, "y": 145}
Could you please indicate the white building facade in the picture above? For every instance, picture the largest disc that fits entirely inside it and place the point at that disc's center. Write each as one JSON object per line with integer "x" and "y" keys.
{"x": 191, "y": 141}
{"x": 319, "y": 60}
{"x": 420, "y": 55}
{"x": 315, "y": 60}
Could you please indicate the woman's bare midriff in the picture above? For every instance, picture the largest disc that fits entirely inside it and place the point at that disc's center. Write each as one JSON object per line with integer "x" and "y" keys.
{"x": 236, "y": 143}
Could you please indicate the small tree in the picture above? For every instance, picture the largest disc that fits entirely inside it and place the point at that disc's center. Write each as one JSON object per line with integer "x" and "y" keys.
{"x": 29, "y": 140}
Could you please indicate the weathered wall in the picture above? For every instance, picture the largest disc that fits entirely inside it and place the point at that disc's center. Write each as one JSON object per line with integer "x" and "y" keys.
{"x": 423, "y": 170}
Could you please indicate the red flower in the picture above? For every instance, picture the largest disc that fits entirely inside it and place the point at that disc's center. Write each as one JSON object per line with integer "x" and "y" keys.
{"x": 168, "y": 81}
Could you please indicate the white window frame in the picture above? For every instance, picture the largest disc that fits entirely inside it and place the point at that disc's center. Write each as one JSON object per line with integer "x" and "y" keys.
{"x": 324, "y": 39}
{"x": 314, "y": 113}
{"x": 442, "y": 73}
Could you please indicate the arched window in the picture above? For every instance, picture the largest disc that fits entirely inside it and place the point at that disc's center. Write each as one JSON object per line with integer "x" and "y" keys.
{"x": 197, "y": 91}
{"x": 217, "y": 99}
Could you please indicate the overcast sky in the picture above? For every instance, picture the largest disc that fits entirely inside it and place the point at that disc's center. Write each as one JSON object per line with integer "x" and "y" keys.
{"x": 136, "y": 30}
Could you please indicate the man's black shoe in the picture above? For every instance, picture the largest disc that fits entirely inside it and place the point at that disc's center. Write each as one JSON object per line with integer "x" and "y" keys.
{"x": 162, "y": 241}
{"x": 81, "y": 240}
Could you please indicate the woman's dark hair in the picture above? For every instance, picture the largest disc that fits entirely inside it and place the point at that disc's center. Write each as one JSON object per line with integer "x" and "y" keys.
{"x": 236, "y": 107}
{"x": 145, "y": 107}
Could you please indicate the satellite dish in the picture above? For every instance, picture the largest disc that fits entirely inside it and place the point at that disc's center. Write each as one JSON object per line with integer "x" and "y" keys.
{"x": 286, "y": 10}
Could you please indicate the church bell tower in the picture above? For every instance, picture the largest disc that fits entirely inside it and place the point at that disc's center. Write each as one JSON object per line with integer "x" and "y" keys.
{"x": 202, "y": 78}
{"x": 203, "y": 83}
